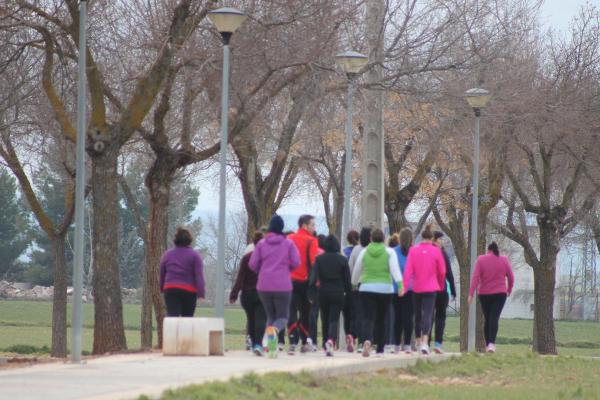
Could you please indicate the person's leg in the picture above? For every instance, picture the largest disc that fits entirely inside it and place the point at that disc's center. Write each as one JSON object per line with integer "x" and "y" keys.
{"x": 417, "y": 303}
{"x": 247, "y": 302}
{"x": 313, "y": 321}
{"x": 281, "y": 305}
{"x": 293, "y": 323}
{"x": 188, "y": 303}
{"x": 266, "y": 298}
{"x": 441, "y": 304}
{"x": 324, "y": 306}
{"x": 389, "y": 324}
{"x": 304, "y": 311}
{"x": 428, "y": 303}
{"x": 381, "y": 311}
{"x": 347, "y": 313}
{"x": 486, "y": 303}
{"x": 495, "y": 311}
{"x": 357, "y": 316}
{"x": 398, "y": 327}
{"x": 368, "y": 306}
{"x": 260, "y": 320}
{"x": 408, "y": 317}
{"x": 173, "y": 302}
{"x": 336, "y": 304}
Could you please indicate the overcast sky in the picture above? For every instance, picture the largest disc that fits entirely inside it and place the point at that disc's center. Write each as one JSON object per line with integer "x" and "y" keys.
{"x": 555, "y": 14}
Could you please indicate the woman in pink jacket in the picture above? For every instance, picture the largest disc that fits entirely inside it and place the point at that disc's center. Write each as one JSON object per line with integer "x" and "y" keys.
{"x": 426, "y": 270}
{"x": 489, "y": 279}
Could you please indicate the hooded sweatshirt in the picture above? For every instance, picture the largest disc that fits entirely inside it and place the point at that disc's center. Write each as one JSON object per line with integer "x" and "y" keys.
{"x": 377, "y": 269}
{"x": 182, "y": 268}
{"x": 273, "y": 259}
{"x": 425, "y": 268}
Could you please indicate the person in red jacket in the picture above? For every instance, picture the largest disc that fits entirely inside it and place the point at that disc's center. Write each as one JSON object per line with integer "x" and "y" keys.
{"x": 493, "y": 279}
{"x": 307, "y": 245}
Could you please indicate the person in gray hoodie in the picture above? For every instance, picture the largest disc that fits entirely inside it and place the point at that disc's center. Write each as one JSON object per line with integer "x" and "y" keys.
{"x": 273, "y": 259}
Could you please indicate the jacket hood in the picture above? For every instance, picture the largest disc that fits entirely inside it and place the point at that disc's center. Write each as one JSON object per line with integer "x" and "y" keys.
{"x": 376, "y": 249}
{"x": 274, "y": 238}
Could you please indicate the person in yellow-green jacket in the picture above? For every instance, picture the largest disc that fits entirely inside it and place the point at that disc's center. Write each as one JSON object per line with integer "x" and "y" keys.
{"x": 376, "y": 271}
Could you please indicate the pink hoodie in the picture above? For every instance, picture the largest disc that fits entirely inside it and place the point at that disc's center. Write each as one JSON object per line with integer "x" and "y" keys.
{"x": 490, "y": 275}
{"x": 426, "y": 268}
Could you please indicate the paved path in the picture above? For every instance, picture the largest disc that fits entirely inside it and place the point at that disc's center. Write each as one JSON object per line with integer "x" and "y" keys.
{"x": 129, "y": 376}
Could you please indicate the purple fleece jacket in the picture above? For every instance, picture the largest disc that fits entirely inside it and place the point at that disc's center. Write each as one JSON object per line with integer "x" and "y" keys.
{"x": 182, "y": 266}
{"x": 273, "y": 260}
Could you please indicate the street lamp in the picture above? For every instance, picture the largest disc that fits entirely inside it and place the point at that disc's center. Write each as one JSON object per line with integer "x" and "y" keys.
{"x": 352, "y": 62}
{"x": 226, "y": 20}
{"x": 477, "y": 99}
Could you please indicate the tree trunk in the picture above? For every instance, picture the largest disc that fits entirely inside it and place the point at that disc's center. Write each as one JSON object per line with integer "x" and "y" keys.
{"x": 146, "y": 317}
{"x": 109, "y": 332}
{"x": 59, "y": 300}
{"x": 544, "y": 278}
{"x": 158, "y": 182}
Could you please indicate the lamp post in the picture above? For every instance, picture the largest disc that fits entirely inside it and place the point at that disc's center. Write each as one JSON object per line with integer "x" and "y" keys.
{"x": 226, "y": 20}
{"x": 352, "y": 62}
{"x": 477, "y": 99}
{"x": 77, "y": 319}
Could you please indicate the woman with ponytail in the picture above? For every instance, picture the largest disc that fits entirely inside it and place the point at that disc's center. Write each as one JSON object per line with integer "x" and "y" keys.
{"x": 492, "y": 271}
{"x": 426, "y": 269}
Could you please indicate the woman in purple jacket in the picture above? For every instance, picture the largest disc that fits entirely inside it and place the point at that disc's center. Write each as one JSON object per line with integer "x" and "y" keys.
{"x": 273, "y": 259}
{"x": 181, "y": 276}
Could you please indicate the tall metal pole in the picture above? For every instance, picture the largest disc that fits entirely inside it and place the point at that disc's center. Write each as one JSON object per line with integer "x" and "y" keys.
{"x": 77, "y": 321}
{"x": 220, "y": 292}
{"x": 474, "y": 215}
{"x": 348, "y": 166}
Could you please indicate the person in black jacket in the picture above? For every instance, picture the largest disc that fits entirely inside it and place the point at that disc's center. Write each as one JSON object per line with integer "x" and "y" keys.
{"x": 442, "y": 298}
{"x": 330, "y": 280}
{"x": 255, "y": 313}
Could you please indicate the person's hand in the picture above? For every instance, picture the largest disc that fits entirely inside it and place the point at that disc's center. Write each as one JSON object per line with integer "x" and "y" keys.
{"x": 469, "y": 300}
{"x": 232, "y": 300}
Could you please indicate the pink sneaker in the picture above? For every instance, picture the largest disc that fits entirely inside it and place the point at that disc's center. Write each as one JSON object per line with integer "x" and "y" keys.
{"x": 491, "y": 348}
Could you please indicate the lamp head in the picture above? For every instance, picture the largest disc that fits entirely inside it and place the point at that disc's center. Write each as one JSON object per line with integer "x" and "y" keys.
{"x": 477, "y": 97}
{"x": 227, "y": 20}
{"x": 351, "y": 61}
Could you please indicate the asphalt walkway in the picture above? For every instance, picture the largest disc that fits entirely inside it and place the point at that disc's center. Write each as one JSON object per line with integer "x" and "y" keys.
{"x": 129, "y": 376}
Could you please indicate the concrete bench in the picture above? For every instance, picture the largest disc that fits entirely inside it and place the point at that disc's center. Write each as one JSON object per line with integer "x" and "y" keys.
{"x": 188, "y": 336}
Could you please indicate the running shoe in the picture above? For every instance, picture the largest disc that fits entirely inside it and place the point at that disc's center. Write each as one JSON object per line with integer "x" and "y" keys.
{"x": 437, "y": 348}
{"x": 425, "y": 349}
{"x": 366, "y": 351}
{"x": 329, "y": 348}
{"x": 407, "y": 349}
{"x": 349, "y": 343}
{"x": 258, "y": 350}
{"x": 292, "y": 350}
{"x": 280, "y": 347}
{"x": 359, "y": 348}
{"x": 491, "y": 348}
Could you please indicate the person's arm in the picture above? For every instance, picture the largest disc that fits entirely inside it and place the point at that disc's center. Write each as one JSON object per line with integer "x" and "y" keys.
{"x": 449, "y": 274}
{"x": 163, "y": 273}
{"x": 408, "y": 271}
{"x": 358, "y": 268}
{"x": 312, "y": 281}
{"x": 475, "y": 279}
{"x": 394, "y": 268}
{"x": 510, "y": 276}
{"x": 241, "y": 276}
{"x": 347, "y": 279}
{"x": 293, "y": 255}
{"x": 255, "y": 259}
{"x": 199, "y": 269}
{"x": 313, "y": 250}
{"x": 441, "y": 270}
{"x": 353, "y": 257}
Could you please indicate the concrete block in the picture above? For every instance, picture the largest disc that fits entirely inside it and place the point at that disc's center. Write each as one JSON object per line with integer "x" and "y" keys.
{"x": 193, "y": 336}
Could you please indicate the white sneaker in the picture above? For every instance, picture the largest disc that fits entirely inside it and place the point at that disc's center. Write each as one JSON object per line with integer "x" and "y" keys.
{"x": 329, "y": 348}
{"x": 407, "y": 349}
{"x": 425, "y": 349}
{"x": 292, "y": 350}
{"x": 366, "y": 350}
{"x": 491, "y": 348}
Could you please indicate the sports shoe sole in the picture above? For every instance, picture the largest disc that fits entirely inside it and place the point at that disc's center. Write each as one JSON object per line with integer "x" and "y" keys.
{"x": 349, "y": 344}
{"x": 366, "y": 352}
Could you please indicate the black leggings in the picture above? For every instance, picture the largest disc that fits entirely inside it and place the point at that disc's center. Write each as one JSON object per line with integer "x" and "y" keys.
{"x": 180, "y": 303}
{"x": 492, "y": 305}
{"x": 375, "y": 309}
{"x": 331, "y": 305}
{"x": 313, "y": 320}
{"x": 441, "y": 304}
{"x": 299, "y": 313}
{"x": 353, "y": 319}
{"x": 423, "y": 303}
{"x": 255, "y": 315}
{"x": 403, "y": 319}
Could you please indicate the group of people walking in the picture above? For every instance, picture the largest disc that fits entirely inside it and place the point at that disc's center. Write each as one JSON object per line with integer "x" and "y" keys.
{"x": 384, "y": 291}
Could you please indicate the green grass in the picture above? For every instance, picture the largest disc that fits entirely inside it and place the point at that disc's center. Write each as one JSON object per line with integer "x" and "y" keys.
{"x": 29, "y": 323}
{"x": 469, "y": 377}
